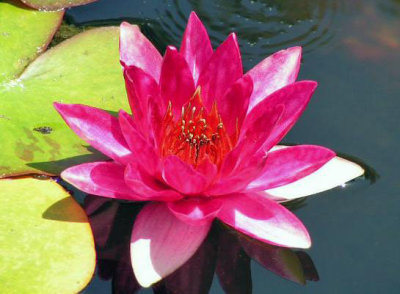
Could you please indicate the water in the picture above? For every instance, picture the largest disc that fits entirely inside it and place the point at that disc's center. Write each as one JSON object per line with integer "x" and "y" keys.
{"x": 352, "y": 48}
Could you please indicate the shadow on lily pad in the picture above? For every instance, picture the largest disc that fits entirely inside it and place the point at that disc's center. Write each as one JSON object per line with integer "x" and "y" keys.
{"x": 62, "y": 210}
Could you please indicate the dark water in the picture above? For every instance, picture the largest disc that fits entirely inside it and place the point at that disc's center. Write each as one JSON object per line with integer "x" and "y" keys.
{"x": 352, "y": 48}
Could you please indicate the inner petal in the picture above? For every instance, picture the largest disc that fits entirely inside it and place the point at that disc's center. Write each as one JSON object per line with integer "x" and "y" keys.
{"x": 197, "y": 134}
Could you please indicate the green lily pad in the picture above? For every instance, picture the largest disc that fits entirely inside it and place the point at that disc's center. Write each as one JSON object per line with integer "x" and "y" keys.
{"x": 24, "y": 34}
{"x": 84, "y": 69}
{"x": 55, "y": 4}
{"x": 46, "y": 244}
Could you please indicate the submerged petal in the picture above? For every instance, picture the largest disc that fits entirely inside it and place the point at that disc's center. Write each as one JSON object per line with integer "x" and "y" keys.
{"x": 98, "y": 128}
{"x": 100, "y": 178}
{"x": 265, "y": 220}
{"x": 274, "y": 72}
{"x": 196, "y": 46}
{"x": 290, "y": 164}
{"x": 334, "y": 173}
{"x": 161, "y": 243}
{"x": 135, "y": 49}
{"x": 223, "y": 69}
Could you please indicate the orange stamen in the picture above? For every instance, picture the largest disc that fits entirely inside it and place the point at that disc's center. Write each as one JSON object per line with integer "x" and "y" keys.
{"x": 197, "y": 135}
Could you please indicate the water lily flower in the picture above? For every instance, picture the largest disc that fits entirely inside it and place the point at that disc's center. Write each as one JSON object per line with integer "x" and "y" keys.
{"x": 201, "y": 144}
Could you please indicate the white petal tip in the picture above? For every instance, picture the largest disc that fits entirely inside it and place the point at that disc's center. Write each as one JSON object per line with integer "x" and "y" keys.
{"x": 335, "y": 172}
{"x": 142, "y": 265}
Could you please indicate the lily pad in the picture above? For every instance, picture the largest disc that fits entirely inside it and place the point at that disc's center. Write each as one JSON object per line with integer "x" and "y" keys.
{"x": 24, "y": 34}
{"x": 55, "y": 4}
{"x": 84, "y": 69}
{"x": 46, "y": 244}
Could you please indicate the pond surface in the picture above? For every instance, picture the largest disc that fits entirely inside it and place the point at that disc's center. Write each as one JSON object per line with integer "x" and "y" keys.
{"x": 352, "y": 48}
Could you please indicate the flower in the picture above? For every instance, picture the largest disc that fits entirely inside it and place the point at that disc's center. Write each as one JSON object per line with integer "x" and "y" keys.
{"x": 200, "y": 146}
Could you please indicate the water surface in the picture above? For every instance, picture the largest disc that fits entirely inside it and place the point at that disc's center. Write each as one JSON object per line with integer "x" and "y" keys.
{"x": 353, "y": 51}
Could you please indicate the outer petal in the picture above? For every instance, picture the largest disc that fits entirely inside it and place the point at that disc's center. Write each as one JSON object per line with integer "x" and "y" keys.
{"x": 196, "y": 46}
{"x": 135, "y": 49}
{"x": 233, "y": 105}
{"x": 161, "y": 243}
{"x": 144, "y": 152}
{"x": 195, "y": 211}
{"x": 147, "y": 186}
{"x": 273, "y": 73}
{"x": 223, "y": 69}
{"x": 183, "y": 177}
{"x": 334, "y": 173}
{"x": 264, "y": 220}
{"x": 98, "y": 128}
{"x": 290, "y": 164}
{"x": 100, "y": 178}
{"x": 141, "y": 89}
{"x": 176, "y": 80}
{"x": 295, "y": 98}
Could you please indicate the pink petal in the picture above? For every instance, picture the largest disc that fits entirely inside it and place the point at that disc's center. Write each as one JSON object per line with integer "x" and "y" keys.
{"x": 239, "y": 179}
{"x": 273, "y": 73}
{"x": 195, "y": 276}
{"x": 98, "y": 128}
{"x": 182, "y": 177}
{"x": 233, "y": 105}
{"x": 100, "y": 178}
{"x": 161, "y": 243}
{"x": 291, "y": 164}
{"x": 223, "y": 69}
{"x": 335, "y": 172}
{"x": 143, "y": 150}
{"x": 155, "y": 117}
{"x": 141, "y": 89}
{"x": 295, "y": 98}
{"x": 255, "y": 132}
{"x": 196, "y": 46}
{"x": 265, "y": 220}
{"x": 194, "y": 210}
{"x": 176, "y": 80}
{"x": 147, "y": 186}
{"x": 135, "y": 49}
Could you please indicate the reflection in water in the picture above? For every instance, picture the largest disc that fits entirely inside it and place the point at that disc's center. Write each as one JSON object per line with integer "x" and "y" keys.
{"x": 224, "y": 252}
{"x": 374, "y": 34}
{"x": 263, "y": 26}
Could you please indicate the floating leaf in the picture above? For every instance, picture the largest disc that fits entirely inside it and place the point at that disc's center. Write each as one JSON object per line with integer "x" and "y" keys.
{"x": 24, "y": 34}
{"x": 46, "y": 244}
{"x": 84, "y": 69}
{"x": 55, "y": 4}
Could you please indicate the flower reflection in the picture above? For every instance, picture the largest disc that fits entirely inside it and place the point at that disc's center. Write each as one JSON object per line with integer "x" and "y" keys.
{"x": 224, "y": 252}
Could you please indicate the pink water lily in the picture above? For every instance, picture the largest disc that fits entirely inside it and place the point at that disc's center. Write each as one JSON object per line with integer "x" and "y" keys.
{"x": 200, "y": 145}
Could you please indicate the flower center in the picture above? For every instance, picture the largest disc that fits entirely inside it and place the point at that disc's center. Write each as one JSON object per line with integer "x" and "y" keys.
{"x": 197, "y": 135}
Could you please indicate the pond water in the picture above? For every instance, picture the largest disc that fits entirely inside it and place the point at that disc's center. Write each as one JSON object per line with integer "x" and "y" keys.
{"x": 352, "y": 48}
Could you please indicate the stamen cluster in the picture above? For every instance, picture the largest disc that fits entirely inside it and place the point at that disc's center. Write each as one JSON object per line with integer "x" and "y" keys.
{"x": 197, "y": 135}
